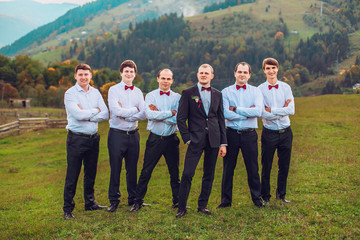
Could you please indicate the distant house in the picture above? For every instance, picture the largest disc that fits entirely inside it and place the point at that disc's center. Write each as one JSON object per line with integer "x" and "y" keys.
{"x": 20, "y": 102}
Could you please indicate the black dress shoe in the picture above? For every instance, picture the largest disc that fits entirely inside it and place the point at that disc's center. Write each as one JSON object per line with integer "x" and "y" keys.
{"x": 95, "y": 207}
{"x": 68, "y": 215}
{"x": 136, "y": 207}
{"x": 181, "y": 213}
{"x": 259, "y": 204}
{"x": 224, "y": 205}
{"x": 204, "y": 210}
{"x": 281, "y": 198}
{"x": 145, "y": 205}
{"x": 284, "y": 200}
{"x": 112, "y": 207}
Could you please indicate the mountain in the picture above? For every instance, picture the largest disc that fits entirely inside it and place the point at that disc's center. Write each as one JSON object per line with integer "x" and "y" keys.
{"x": 98, "y": 15}
{"x": 12, "y": 28}
{"x": 21, "y": 16}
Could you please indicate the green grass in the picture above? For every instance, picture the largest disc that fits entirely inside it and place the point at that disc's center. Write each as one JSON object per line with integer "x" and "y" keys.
{"x": 291, "y": 12}
{"x": 323, "y": 185}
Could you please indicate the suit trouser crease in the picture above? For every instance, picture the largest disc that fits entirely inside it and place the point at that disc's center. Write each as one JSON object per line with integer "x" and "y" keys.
{"x": 247, "y": 142}
{"x": 123, "y": 146}
{"x": 192, "y": 158}
{"x": 270, "y": 142}
{"x": 155, "y": 148}
{"x": 80, "y": 150}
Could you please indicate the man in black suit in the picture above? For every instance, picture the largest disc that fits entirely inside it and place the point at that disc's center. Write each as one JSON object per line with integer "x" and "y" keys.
{"x": 202, "y": 107}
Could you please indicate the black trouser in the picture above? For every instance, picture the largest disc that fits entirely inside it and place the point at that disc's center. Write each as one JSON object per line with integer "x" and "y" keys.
{"x": 156, "y": 146}
{"x": 121, "y": 145}
{"x": 80, "y": 149}
{"x": 270, "y": 141}
{"x": 246, "y": 141}
{"x": 192, "y": 158}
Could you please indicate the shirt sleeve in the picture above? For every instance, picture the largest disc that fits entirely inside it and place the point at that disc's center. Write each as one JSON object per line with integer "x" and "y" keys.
{"x": 172, "y": 120}
{"x": 141, "y": 114}
{"x": 290, "y": 109}
{"x": 104, "y": 112}
{"x": 115, "y": 107}
{"x": 71, "y": 104}
{"x": 255, "y": 111}
{"x": 230, "y": 115}
{"x": 154, "y": 115}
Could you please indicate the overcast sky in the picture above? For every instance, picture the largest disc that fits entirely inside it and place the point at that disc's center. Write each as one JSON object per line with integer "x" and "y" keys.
{"x": 79, "y": 2}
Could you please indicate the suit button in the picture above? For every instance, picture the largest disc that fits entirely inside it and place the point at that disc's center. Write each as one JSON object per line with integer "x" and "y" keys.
{"x": 207, "y": 119}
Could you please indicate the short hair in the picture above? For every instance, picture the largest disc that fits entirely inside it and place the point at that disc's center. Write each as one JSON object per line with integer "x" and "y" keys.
{"x": 128, "y": 63}
{"x": 206, "y": 65}
{"x": 159, "y": 72}
{"x": 270, "y": 61}
{"x": 82, "y": 66}
{"x": 243, "y": 64}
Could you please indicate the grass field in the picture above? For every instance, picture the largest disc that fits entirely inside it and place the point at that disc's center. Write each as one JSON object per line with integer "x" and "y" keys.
{"x": 323, "y": 185}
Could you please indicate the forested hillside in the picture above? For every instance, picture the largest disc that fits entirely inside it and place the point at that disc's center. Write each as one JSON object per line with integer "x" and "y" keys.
{"x": 310, "y": 65}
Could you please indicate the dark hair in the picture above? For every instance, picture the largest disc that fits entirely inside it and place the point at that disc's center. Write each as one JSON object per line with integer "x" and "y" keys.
{"x": 82, "y": 66}
{"x": 159, "y": 72}
{"x": 128, "y": 63}
{"x": 244, "y": 64}
{"x": 270, "y": 61}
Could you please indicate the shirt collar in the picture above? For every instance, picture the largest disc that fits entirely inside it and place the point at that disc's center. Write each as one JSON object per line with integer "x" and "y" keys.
{"x": 277, "y": 82}
{"x": 123, "y": 84}
{"x": 200, "y": 86}
{"x": 79, "y": 89}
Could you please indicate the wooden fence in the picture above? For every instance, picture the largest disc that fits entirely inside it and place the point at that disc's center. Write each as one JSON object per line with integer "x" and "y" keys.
{"x": 28, "y": 124}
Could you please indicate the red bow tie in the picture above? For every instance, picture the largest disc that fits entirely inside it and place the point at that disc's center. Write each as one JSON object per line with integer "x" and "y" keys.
{"x": 275, "y": 86}
{"x": 127, "y": 87}
{"x": 207, "y": 89}
{"x": 238, "y": 87}
{"x": 166, "y": 93}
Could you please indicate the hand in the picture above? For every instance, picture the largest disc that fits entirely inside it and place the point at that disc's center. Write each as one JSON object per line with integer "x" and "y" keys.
{"x": 268, "y": 109}
{"x": 252, "y": 106}
{"x": 120, "y": 104}
{"x": 153, "y": 108}
{"x": 231, "y": 108}
{"x": 98, "y": 109}
{"x": 80, "y": 107}
{"x": 222, "y": 151}
{"x": 287, "y": 102}
{"x": 173, "y": 112}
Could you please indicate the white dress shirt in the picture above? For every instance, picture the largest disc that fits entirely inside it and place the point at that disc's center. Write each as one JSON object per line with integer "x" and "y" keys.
{"x": 162, "y": 122}
{"x": 84, "y": 120}
{"x": 244, "y": 117}
{"x": 274, "y": 98}
{"x": 132, "y": 109}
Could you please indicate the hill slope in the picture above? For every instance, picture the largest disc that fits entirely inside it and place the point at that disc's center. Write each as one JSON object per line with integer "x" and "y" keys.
{"x": 22, "y": 16}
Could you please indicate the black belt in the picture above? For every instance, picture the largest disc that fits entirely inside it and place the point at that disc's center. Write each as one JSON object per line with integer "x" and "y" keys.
{"x": 277, "y": 131}
{"x": 241, "y": 131}
{"x": 124, "y": 132}
{"x": 161, "y": 137}
{"x": 83, "y": 134}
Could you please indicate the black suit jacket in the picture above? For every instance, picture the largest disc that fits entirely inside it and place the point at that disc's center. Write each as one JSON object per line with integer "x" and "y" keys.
{"x": 198, "y": 124}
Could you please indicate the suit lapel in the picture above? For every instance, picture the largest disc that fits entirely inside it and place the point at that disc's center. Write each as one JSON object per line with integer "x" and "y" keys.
{"x": 197, "y": 93}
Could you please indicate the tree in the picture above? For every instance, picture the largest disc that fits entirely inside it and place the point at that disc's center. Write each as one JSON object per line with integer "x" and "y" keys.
{"x": 105, "y": 90}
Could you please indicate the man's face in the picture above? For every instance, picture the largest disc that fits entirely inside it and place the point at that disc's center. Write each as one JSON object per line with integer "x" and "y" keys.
{"x": 271, "y": 72}
{"x": 165, "y": 80}
{"x": 242, "y": 74}
{"x": 83, "y": 78}
{"x": 127, "y": 75}
{"x": 205, "y": 76}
